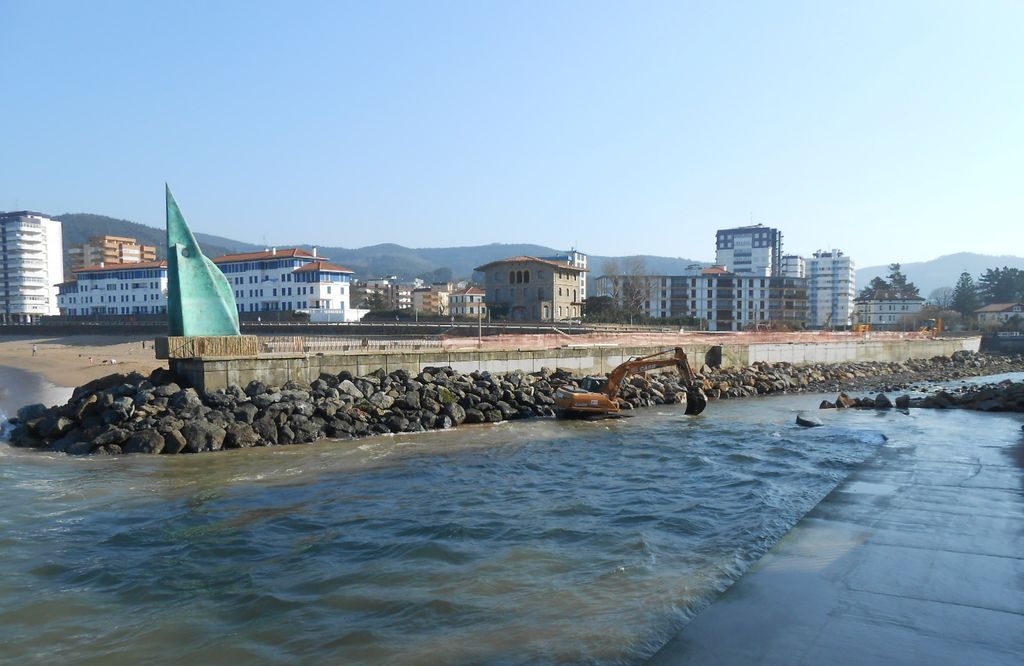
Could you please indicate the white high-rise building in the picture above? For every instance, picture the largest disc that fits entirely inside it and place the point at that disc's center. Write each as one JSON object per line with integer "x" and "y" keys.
{"x": 753, "y": 250}
{"x": 31, "y": 265}
{"x": 794, "y": 266}
{"x": 833, "y": 288}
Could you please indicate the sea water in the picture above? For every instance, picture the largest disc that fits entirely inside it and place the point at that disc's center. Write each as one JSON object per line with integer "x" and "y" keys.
{"x": 528, "y": 542}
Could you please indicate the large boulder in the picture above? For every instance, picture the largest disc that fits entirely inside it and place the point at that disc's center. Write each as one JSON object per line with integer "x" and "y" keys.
{"x": 111, "y": 435}
{"x": 30, "y": 412}
{"x": 381, "y": 400}
{"x": 456, "y": 413}
{"x": 145, "y": 441}
{"x": 174, "y": 441}
{"x": 201, "y": 435}
{"x": 808, "y": 421}
{"x": 239, "y": 436}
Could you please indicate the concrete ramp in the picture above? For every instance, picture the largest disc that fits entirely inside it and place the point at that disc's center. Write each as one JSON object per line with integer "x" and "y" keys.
{"x": 917, "y": 558}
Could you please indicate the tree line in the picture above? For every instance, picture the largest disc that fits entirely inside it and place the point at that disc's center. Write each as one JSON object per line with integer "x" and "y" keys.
{"x": 995, "y": 285}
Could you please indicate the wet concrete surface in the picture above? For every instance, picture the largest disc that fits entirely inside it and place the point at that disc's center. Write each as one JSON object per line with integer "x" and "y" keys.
{"x": 917, "y": 558}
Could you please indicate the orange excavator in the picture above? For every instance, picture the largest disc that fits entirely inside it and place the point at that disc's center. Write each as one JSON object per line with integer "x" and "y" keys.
{"x": 597, "y": 396}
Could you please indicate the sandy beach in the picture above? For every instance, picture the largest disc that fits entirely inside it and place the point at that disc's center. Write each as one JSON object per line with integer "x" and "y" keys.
{"x": 76, "y": 359}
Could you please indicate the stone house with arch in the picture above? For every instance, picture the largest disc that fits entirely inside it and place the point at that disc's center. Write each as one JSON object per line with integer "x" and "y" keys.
{"x": 532, "y": 289}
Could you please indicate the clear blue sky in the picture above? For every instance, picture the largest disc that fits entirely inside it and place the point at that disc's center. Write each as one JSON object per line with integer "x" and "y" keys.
{"x": 892, "y": 130}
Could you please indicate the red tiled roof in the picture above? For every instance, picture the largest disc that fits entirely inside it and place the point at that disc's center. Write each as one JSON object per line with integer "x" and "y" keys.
{"x": 524, "y": 259}
{"x": 714, "y": 270}
{"x": 322, "y": 266}
{"x": 121, "y": 267}
{"x": 469, "y": 291}
{"x": 286, "y": 253}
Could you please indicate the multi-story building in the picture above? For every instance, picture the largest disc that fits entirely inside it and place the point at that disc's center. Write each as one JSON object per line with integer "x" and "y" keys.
{"x": 467, "y": 302}
{"x": 756, "y": 249}
{"x": 433, "y": 299}
{"x": 31, "y": 265}
{"x": 793, "y": 266}
{"x": 138, "y": 288}
{"x": 107, "y": 250}
{"x": 286, "y": 280}
{"x": 889, "y": 310}
{"x": 725, "y": 301}
{"x": 577, "y": 259}
{"x": 529, "y": 288}
{"x": 833, "y": 288}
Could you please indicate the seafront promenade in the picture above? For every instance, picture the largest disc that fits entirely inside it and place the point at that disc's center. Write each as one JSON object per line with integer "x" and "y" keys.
{"x": 916, "y": 558}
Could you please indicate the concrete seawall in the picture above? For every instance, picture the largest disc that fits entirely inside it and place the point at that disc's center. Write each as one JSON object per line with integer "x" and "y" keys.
{"x": 212, "y": 373}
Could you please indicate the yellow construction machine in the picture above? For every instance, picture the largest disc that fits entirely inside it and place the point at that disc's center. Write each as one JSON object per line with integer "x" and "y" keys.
{"x": 598, "y": 396}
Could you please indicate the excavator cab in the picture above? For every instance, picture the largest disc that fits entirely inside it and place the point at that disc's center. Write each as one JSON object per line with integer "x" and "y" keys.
{"x": 594, "y": 384}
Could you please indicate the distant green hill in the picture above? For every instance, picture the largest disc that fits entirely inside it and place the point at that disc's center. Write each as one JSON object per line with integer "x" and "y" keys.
{"x": 367, "y": 262}
{"x": 80, "y": 227}
{"x": 943, "y": 271}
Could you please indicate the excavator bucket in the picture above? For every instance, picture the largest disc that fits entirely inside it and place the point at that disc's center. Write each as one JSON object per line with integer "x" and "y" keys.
{"x": 696, "y": 401}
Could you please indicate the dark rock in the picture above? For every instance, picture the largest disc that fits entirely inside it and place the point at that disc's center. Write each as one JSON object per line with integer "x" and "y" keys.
{"x": 174, "y": 441}
{"x": 396, "y": 423}
{"x": 266, "y": 428}
{"x": 29, "y": 412}
{"x": 903, "y": 402}
{"x": 844, "y": 401}
{"x": 86, "y": 407}
{"x": 264, "y": 400}
{"x": 167, "y": 390}
{"x": 201, "y": 435}
{"x": 240, "y": 436}
{"x": 882, "y": 401}
{"x": 145, "y": 441}
{"x": 61, "y": 445}
{"x": 475, "y": 416}
{"x": 112, "y": 435}
{"x": 808, "y": 421}
{"x": 80, "y": 448}
{"x": 381, "y": 400}
{"x": 187, "y": 402}
{"x": 245, "y": 412}
{"x": 456, "y": 413}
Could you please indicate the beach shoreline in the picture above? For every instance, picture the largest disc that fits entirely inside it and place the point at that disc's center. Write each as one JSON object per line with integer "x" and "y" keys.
{"x": 73, "y": 360}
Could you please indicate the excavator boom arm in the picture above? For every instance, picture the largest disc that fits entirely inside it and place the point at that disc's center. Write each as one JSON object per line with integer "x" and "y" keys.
{"x": 646, "y": 363}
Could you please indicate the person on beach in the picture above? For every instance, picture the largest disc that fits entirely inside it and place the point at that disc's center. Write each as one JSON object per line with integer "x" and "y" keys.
{"x": 34, "y": 350}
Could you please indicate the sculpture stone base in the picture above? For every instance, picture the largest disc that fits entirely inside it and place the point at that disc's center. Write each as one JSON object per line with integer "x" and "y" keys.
{"x": 206, "y": 346}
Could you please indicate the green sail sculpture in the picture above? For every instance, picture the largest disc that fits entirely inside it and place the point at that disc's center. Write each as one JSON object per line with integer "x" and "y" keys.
{"x": 199, "y": 298}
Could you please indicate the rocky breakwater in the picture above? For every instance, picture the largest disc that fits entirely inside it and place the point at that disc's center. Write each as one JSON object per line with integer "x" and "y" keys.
{"x": 768, "y": 378}
{"x": 1004, "y": 396}
{"x": 135, "y": 413}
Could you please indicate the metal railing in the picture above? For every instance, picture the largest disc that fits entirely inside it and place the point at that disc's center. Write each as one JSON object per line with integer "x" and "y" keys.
{"x": 300, "y": 344}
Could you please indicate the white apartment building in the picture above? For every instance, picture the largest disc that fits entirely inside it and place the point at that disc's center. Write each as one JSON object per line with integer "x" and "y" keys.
{"x": 833, "y": 289}
{"x": 31, "y": 265}
{"x": 275, "y": 280}
{"x": 755, "y": 249}
{"x": 116, "y": 289}
{"x": 723, "y": 300}
{"x": 888, "y": 310}
{"x": 468, "y": 302}
{"x": 285, "y": 280}
{"x": 794, "y": 266}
